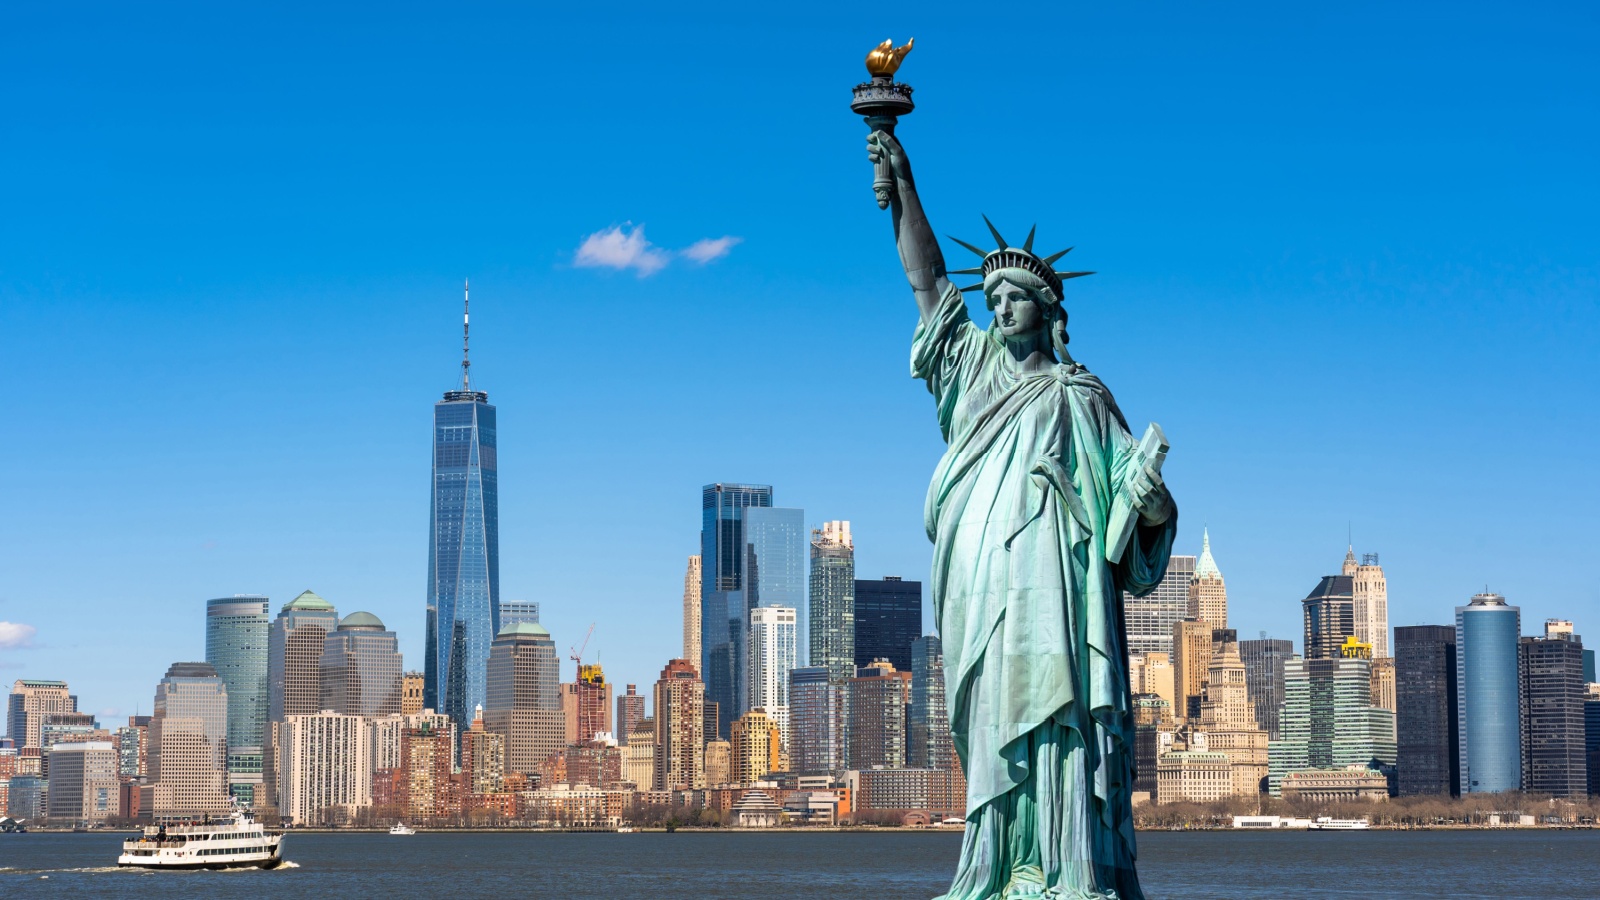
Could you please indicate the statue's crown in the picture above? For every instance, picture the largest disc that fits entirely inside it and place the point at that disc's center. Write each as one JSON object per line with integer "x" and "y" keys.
{"x": 1008, "y": 257}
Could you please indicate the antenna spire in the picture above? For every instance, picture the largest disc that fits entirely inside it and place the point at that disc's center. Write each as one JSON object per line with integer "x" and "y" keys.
{"x": 466, "y": 307}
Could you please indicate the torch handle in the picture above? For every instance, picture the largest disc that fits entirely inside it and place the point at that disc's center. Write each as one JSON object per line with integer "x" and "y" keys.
{"x": 882, "y": 174}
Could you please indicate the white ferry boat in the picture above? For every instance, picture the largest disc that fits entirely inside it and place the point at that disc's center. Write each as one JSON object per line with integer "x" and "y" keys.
{"x": 400, "y": 828}
{"x": 236, "y": 842}
{"x": 1325, "y": 823}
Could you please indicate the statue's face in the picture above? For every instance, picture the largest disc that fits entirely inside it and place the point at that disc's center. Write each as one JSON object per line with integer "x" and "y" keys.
{"x": 1017, "y": 311}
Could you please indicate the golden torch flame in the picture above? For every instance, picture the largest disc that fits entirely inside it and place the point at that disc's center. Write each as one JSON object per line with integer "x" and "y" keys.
{"x": 884, "y": 60}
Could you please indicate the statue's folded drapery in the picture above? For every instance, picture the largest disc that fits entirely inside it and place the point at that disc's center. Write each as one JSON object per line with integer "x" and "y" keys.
{"x": 1030, "y": 613}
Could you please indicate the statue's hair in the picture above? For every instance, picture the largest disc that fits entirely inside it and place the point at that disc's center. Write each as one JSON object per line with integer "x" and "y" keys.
{"x": 1055, "y": 313}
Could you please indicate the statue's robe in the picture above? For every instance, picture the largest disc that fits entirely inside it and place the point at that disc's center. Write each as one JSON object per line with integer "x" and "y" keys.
{"x": 1030, "y": 612}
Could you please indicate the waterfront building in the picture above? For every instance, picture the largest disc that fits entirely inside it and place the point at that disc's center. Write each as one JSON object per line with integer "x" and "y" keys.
{"x": 483, "y": 758}
{"x": 935, "y": 791}
{"x": 774, "y": 653}
{"x": 1151, "y": 618}
{"x": 1350, "y": 784}
{"x": 294, "y": 672}
{"x": 1229, "y": 718}
{"x": 724, "y": 601}
{"x": 595, "y": 763}
{"x": 833, "y": 602}
{"x": 888, "y": 617}
{"x": 423, "y": 782}
{"x": 1425, "y": 715}
{"x": 236, "y": 646}
{"x": 680, "y": 723}
{"x": 755, "y": 809}
{"x": 1369, "y": 601}
{"x": 83, "y": 782}
{"x": 757, "y": 748}
{"x": 1328, "y": 613}
{"x": 878, "y": 697}
{"x": 324, "y": 768}
{"x": 630, "y": 711}
{"x": 776, "y": 567}
{"x": 1488, "y": 705}
{"x": 32, "y": 699}
{"x": 66, "y": 727}
{"x": 463, "y": 611}
{"x": 388, "y": 736}
{"x": 1591, "y": 734}
{"x": 25, "y": 797}
{"x": 411, "y": 693}
{"x": 691, "y": 610}
{"x": 586, "y": 704}
{"x": 718, "y": 764}
{"x": 188, "y": 744}
{"x": 1329, "y": 721}
{"x": 515, "y": 612}
{"x": 1208, "y": 594}
{"x": 133, "y": 748}
{"x": 524, "y": 700}
{"x": 818, "y": 722}
{"x": 1263, "y": 677}
{"x": 1191, "y": 664}
{"x": 639, "y": 754}
{"x": 1193, "y": 776}
{"x": 1551, "y": 669}
{"x": 361, "y": 668}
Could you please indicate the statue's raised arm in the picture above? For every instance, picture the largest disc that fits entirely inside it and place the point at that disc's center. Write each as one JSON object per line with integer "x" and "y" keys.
{"x": 919, "y": 249}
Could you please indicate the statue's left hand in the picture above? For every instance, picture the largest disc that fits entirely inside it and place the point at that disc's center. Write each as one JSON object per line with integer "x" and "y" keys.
{"x": 1151, "y": 499}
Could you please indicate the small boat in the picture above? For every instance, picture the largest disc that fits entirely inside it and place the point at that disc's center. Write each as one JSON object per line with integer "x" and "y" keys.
{"x": 400, "y": 828}
{"x": 237, "y": 842}
{"x": 624, "y": 829}
{"x": 1325, "y": 823}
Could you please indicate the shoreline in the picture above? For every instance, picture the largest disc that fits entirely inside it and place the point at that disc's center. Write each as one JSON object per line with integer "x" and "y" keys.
{"x": 814, "y": 829}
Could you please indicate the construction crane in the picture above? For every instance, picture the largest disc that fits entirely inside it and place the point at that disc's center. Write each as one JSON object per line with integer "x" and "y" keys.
{"x": 577, "y": 652}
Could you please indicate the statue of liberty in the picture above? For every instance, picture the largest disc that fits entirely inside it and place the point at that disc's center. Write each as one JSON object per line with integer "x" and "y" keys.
{"x": 1042, "y": 512}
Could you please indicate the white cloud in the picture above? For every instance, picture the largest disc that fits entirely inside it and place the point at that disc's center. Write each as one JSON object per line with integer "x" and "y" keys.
{"x": 710, "y": 249}
{"x": 14, "y": 635}
{"x": 615, "y": 248}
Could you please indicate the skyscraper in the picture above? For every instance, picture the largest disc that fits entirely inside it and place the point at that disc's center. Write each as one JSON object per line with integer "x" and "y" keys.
{"x": 1425, "y": 718}
{"x": 1552, "y": 714}
{"x": 1191, "y": 665}
{"x": 1591, "y": 734}
{"x": 294, "y": 672}
{"x": 757, "y": 747}
{"x": 819, "y": 737}
{"x": 878, "y": 698}
{"x": 1369, "y": 601}
{"x": 929, "y": 744}
{"x": 724, "y": 603}
{"x": 1150, "y": 618}
{"x": 463, "y": 549}
{"x": 1328, "y": 719}
{"x": 888, "y": 617}
{"x": 833, "y": 583}
{"x": 30, "y": 701}
{"x": 1263, "y": 677}
{"x": 236, "y": 646}
{"x": 680, "y": 728}
{"x": 1229, "y": 717}
{"x": 83, "y": 781}
{"x": 325, "y": 767}
{"x": 1208, "y": 595}
{"x": 691, "y": 610}
{"x": 1329, "y": 616}
{"x": 188, "y": 743}
{"x": 773, "y": 655}
{"x": 523, "y": 690}
{"x": 361, "y": 668}
{"x": 776, "y": 564}
{"x": 513, "y": 612}
{"x": 586, "y": 704}
{"x": 630, "y": 711}
{"x": 1488, "y": 708}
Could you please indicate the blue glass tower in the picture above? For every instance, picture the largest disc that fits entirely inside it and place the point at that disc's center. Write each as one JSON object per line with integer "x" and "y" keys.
{"x": 1489, "y": 713}
{"x": 776, "y": 564}
{"x": 463, "y": 613}
{"x": 724, "y": 602}
{"x": 236, "y": 646}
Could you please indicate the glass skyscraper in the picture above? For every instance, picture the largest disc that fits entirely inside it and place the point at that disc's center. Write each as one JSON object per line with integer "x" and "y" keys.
{"x": 1425, "y": 720}
{"x": 236, "y": 646}
{"x": 1150, "y": 619}
{"x": 724, "y": 604}
{"x": 463, "y": 613}
{"x": 1263, "y": 678}
{"x": 1489, "y": 716}
{"x": 775, "y": 563}
{"x": 888, "y": 617}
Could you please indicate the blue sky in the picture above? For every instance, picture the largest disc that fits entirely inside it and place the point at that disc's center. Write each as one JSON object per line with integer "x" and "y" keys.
{"x": 1346, "y": 254}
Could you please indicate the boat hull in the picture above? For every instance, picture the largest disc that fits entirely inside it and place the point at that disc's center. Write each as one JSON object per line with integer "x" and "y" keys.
{"x": 270, "y": 863}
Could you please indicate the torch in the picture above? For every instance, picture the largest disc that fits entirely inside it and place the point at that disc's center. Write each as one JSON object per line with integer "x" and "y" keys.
{"x": 881, "y": 102}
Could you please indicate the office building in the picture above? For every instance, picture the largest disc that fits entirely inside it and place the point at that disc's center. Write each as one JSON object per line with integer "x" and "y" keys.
{"x": 878, "y": 697}
{"x": 324, "y": 768}
{"x": 1193, "y": 776}
{"x": 630, "y": 711}
{"x": 1329, "y": 721}
{"x": 776, "y": 564}
{"x": 888, "y": 617}
{"x": 83, "y": 782}
{"x": 411, "y": 684}
{"x": 1191, "y": 664}
{"x": 818, "y": 724}
{"x": 1228, "y": 717}
{"x": 463, "y": 612}
{"x": 833, "y": 584}
{"x": 1425, "y": 714}
{"x": 691, "y": 610}
{"x": 236, "y": 646}
{"x": 1328, "y": 613}
{"x": 1208, "y": 594}
{"x": 1552, "y": 688}
{"x": 1383, "y": 685}
{"x": 1263, "y": 677}
{"x": 724, "y": 600}
{"x": 1591, "y": 735}
{"x": 524, "y": 696}
{"x": 929, "y": 744}
{"x": 361, "y": 668}
{"x": 774, "y": 648}
{"x": 294, "y": 656}
{"x": 680, "y": 728}
{"x": 757, "y": 748}
{"x": 188, "y": 744}
{"x": 515, "y": 612}
{"x": 639, "y": 754}
{"x": 1151, "y": 618}
{"x": 133, "y": 748}
{"x": 32, "y": 699}
{"x": 1488, "y": 704}
{"x": 1369, "y": 601}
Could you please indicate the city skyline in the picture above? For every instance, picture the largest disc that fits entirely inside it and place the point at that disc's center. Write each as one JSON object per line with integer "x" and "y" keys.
{"x": 311, "y": 319}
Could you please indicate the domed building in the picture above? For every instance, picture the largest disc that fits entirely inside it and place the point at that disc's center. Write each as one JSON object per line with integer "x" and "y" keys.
{"x": 361, "y": 668}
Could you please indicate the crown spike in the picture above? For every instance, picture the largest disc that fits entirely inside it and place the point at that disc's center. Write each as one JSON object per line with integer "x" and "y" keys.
{"x": 1027, "y": 245}
{"x": 977, "y": 270}
{"x": 972, "y": 287}
{"x": 1000, "y": 242}
{"x": 1050, "y": 260}
{"x": 981, "y": 253}
{"x": 1065, "y": 275}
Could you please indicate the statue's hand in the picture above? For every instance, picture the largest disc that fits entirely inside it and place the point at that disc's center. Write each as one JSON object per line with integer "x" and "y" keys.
{"x": 1150, "y": 499}
{"x": 882, "y": 145}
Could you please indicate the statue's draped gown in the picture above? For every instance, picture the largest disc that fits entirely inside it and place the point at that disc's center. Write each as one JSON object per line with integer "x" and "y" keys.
{"x": 1030, "y": 613}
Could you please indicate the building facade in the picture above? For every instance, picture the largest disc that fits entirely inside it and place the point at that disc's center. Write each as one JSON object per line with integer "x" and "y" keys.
{"x": 586, "y": 704}
{"x": 878, "y": 698}
{"x": 1263, "y": 677}
{"x": 32, "y": 699}
{"x": 1369, "y": 601}
{"x": 361, "y": 668}
{"x": 515, "y": 612}
{"x": 1191, "y": 665}
{"x": 929, "y": 744}
{"x": 1150, "y": 619}
{"x": 236, "y": 646}
{"x": 757, "y": 748}
{"x": 524, "y": 699}
{"x": 691, "y": 610}
{"x": 1488, "y": 700}
{"x": 83, "y": 782}
{"x": 325, "y": 768}
{"x": 1425, "y": 714}
{"x": 1208, "y": 593}
{"x": 818, "y": 722}
{"x": 1553, "y": 694}
{"x": 1328, "y": 614}
{"x": 630, "y": 711}
{"x": 1329, "y": 721}
{"x": 774, "y": 653}
{"x": 680, "y": 728}
{"x": 724, "y": 600}
{"x": 776, "y": 564}
{"x": 833, "y": 602}
{"x": 888, "y": 617}
{"x": 188, "y": 744}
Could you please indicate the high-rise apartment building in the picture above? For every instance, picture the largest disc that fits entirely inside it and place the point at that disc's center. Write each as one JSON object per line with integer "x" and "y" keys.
{"x": 32, "y": 699}
{"x": 524, "y": 699}
{"x": 630, "y": 711}
{"x": 1553, "y": 759}
{"x": 1208, "y": 594}
{"x": 515, "y": 612}
{"x": 878, "y": 698}
{"x": 1329, "y": 616}
{"x": 1425, "y": 715}
{"x": 1329, "y": 721}
{"x": 427, "y": 757}
{"x": 1263, "y": 677}
{"x": 888, "y": 617}
{"x": 639, "y": 754}
{"x": 819, "y": 733}
{"x": 586, "y": 704}
{"x": 188, "y": 744}
{"x": 463, "y": 613}
{"x": 411, "y": 684}
{"x": 1369, "y": 601}
{"x": 236, "y": 646}
{"x": 833, "y": 602}
{"x": 680, "y": 728}
{"x": 324, "y": 767}
{"x": 774, "y": 643}
{"x": 133, "y": 748}
{"x": 83, "y": 782}
{"x": 483, "y": 758}
{"x": 1191, "y": 665}
{"x": 361, "y": 668}
{"x": 1150, "y": 619}
{"x": 1488, "y": 705}
{"x": 757, "y": 748}
{"x": 724, "y": 598}
{"x": 717, "y": 763}
{"x": 1591, "y": 734}
{"x": 929, "y": 744}
{"x": 691, "y": 610}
